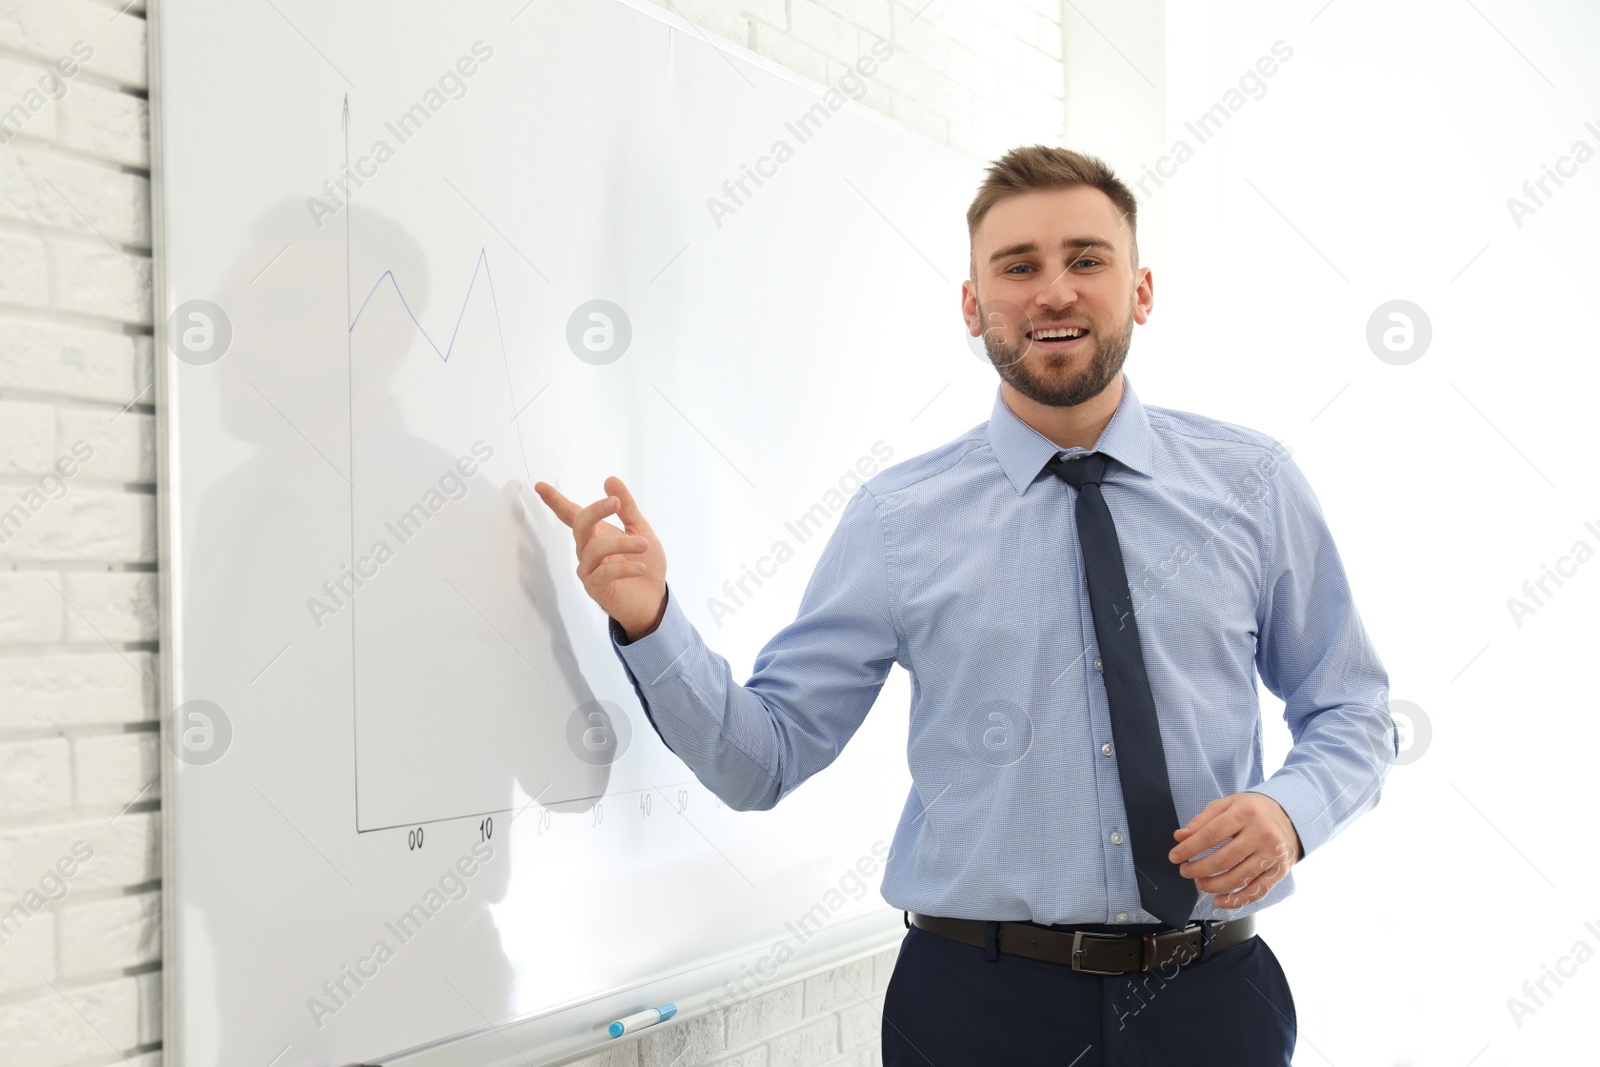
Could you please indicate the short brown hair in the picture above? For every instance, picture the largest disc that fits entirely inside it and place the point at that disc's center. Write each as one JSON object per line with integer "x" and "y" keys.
{"x": 1040, "y": 166}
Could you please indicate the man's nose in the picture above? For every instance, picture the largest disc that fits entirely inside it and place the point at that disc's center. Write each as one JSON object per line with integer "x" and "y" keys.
{"x": 1059, "y": 291}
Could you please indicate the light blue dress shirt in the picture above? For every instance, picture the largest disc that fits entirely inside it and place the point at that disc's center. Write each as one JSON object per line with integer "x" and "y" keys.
{"x": 963, "y": 566}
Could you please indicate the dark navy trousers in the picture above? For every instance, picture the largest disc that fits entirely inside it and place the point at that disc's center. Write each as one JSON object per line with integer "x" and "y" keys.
{"x": 955, "y": 1005}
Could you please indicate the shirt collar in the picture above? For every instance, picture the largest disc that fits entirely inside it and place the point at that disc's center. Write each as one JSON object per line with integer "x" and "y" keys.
{"x": 1023, "y": 451}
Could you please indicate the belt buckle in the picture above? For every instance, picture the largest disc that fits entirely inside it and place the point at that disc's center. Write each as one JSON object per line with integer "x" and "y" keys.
{"x": 1078, "y": 951}
{"x": 1147, "y": 963}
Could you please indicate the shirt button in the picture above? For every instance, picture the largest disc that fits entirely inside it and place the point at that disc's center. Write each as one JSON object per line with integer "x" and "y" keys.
{"x": 1106, "y": 749}
{"x": 1099, "y": 664}
{"x": 1116, "y": 837}
{"x": 1122, "y": 917}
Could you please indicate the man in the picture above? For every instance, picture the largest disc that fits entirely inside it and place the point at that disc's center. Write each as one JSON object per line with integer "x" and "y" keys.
{"x": 1090, "y": 833}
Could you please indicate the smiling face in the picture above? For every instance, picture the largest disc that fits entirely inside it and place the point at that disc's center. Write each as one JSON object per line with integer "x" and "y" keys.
{"x": 1055, "y": 293}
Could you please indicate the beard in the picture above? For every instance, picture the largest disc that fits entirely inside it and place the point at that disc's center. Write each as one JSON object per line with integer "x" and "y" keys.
{"x": 1044, "y": 378}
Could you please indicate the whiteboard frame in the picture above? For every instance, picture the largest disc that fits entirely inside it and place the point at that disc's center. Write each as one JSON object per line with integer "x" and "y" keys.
{"x": 544, "y": 1030}
{"x": 166, "y": 516}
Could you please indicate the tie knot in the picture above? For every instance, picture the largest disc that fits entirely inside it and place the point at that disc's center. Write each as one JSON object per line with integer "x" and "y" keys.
{"x": 1078, "y": 472}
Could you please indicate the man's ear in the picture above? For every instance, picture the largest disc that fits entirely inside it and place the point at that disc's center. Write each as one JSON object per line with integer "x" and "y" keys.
{"x": 1144, "y": 296}
{"x": 969, "y": 308}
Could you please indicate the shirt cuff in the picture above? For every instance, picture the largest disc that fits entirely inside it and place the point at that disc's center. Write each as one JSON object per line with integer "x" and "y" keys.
{"x": 650, "y": 656}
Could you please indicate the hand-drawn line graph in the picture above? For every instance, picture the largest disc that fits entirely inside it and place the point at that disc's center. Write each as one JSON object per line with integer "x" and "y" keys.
{"x": 480, "y": 267}
{"x": 371, "y": 307}
{"x": 364, "y": 619}
{"x": 353, "y": 318}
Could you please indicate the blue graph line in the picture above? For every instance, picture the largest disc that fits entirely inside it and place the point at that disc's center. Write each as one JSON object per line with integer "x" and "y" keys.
{"x": 444, "y": 355}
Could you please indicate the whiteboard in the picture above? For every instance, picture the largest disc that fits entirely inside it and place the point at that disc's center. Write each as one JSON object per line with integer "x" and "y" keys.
{"x": 393, "y": 718}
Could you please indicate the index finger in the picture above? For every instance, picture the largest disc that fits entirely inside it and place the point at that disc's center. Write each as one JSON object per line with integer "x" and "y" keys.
{"x": 565, "y": 509}
{"x": 582, "y": 521}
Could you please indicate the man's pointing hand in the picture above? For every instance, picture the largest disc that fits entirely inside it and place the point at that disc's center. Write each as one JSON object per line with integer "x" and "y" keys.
{"x": 623, "y": 570}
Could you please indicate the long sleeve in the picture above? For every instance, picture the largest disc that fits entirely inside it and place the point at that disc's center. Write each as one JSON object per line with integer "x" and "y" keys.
{"x": 812, "y": 685}
{"x": 1314, "y": 654}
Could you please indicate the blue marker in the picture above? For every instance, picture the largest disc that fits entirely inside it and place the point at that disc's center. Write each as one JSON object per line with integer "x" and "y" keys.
{"x": 648, "y": 1017}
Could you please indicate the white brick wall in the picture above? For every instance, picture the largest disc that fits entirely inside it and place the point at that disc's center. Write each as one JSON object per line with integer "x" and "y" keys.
{"x": 980, "y": 75}
{"x": 80, "y": 953}
{"x": 80, "y": 933}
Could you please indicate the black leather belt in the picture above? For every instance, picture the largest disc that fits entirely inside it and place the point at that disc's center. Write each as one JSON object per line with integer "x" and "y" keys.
{"x": 1090, "y": 952}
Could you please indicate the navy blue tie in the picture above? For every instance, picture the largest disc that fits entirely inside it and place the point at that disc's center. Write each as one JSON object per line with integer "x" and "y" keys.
{"x": 1135, "y": 730}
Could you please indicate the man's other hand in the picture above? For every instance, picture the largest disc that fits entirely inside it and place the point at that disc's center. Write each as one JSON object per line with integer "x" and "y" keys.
{"x": 1262, "y": 845}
